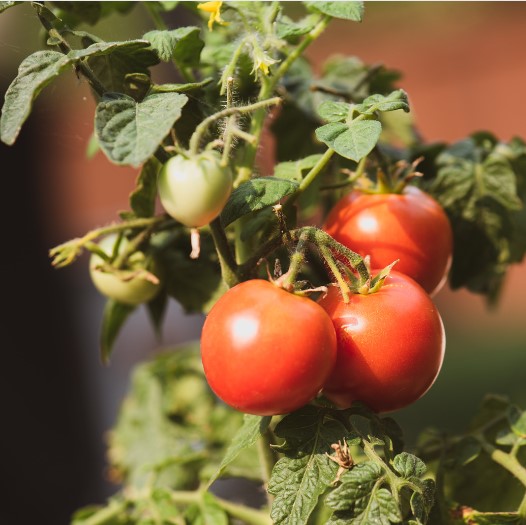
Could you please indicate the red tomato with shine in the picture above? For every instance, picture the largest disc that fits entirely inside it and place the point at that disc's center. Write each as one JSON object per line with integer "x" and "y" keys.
{"x": 410, "y": 226}
{"x": 266, "y": 351}
{"x": 390, "y": 345}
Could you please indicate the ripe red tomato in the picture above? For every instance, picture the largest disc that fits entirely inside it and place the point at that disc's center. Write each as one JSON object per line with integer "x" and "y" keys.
{"x": 390, "y": 345}
{"x": 411, "y": 227}
{"x": 266, "y": 351}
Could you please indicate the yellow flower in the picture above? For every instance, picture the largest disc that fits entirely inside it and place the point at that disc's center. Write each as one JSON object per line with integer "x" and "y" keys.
{"x": 214, "y": 9}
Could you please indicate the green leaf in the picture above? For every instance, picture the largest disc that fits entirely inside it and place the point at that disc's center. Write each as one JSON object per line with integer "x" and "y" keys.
{"x": 170, "y": 425}
{"x": 465, "y": 451}
{"x": 364, "y": 501}
{"x": 130, "y": 132}
{"x": 131, "y": 57}
{"x": 477, "y": 184}
{"x": 334, "y": 111}
{"x": 408, "y": 465}
{"x": 517, "y": 420}
{"x": 180, "y": 88}
{"x": 34, "y": 74}
{"x": 157, "y": 508}
{"x": 112, "y": 514}
{"x": 422, "y": 502}
{"x": 39, "y": 70}
{"x": 195, "y": 283}
{"x": 169, "y": 5}
{"x": 352, "y": 141}
{"x": 75, "y": 13}
{"x": 6, "y": 5}
{"x": 182, "y": 45}
{"x": 207, "y": 512}
{"x": 293, "y": 170}
{"x": 157, "y": 309}
{"x": 290, "y": 30}
{"x": 357, "y": 484}
{"x": 391, "y": 102}
{"x": 256, "y": 194}
{"x": 88, "y": 12}
{"x": 247, "y": 436}
{"x": 142, "y": 199}
{"x": 303, "y": 475}
{"x": 347, "y": 10}
{"x": 113, "y": 318}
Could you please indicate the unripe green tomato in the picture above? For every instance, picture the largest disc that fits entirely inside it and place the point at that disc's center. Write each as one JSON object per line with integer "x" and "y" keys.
{"x": 132, "y": 292}
{"x": 194, "y": 190}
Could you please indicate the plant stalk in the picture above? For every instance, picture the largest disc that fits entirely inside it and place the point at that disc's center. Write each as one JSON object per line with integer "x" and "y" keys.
{"x": 241, "y": 512}
{"x": 228, "y": 264}
{"x": 201, "y": 129}
{"x": 506, "y": 461}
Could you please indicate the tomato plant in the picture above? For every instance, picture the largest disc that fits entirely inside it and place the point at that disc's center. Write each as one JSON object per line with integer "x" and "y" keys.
{"x": 245, "y": 91}
{"x": 410, "y": 227}
{"x": 390, "y": 345}
{"x": 266, "y": 351}
{"x": 133, "y": 284}
{"x": 194, "y": 190}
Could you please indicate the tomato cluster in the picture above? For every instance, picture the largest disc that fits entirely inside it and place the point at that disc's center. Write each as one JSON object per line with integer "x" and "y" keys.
{"x": 267, "y": 351}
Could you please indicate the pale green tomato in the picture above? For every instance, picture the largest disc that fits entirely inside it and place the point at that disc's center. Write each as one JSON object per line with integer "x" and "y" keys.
{"x": 194, "y": 190}
{"x": 134, "y": 291}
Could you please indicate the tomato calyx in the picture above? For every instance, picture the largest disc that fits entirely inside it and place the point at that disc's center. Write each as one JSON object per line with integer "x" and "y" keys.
{"x": 389, "y": 179}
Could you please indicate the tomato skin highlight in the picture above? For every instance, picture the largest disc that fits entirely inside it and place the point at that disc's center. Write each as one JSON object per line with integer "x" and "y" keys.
{"x": 411, "y": 227}
{"x": 390, "y": 345}
{"x": 266, "y": 351}
{"x": 194, "y": 190}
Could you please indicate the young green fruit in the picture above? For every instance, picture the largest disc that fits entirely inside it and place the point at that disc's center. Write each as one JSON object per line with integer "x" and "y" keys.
{"x": 194, "y": 190}
{"x": 134, "y": 284}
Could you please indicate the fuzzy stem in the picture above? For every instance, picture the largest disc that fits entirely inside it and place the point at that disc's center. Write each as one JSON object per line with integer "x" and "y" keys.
{"x": 66, "y": 48}
{"x": 296, "y": 261}
{"x": 267, "y": 88}
{"x": 298, "y": 51}
{"x": 314, "y": 235}
{"x": 202, "y": 128}
{"x": 329, "y": 259}
{"x": 66, "y": 253}
{"x": 132, "y": 246}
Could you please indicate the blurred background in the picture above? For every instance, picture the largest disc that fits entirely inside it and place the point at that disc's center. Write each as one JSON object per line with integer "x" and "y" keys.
{"x": 464, "y": 69}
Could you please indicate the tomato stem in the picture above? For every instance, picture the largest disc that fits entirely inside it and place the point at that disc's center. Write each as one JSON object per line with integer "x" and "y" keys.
{"x": 65, "y": 48}
{"x": 311, "y": 176}
{"x": 65, "y": 253}
{"x": 508, "y": 462}
{"x": 329, "y": 259}
{"x": 297, "y": 259}
{"x": 267, "y": 460}
{"x": 202, "y": 128}
{"x": 229, "y": 267}
{"x": 241, "y": 512}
